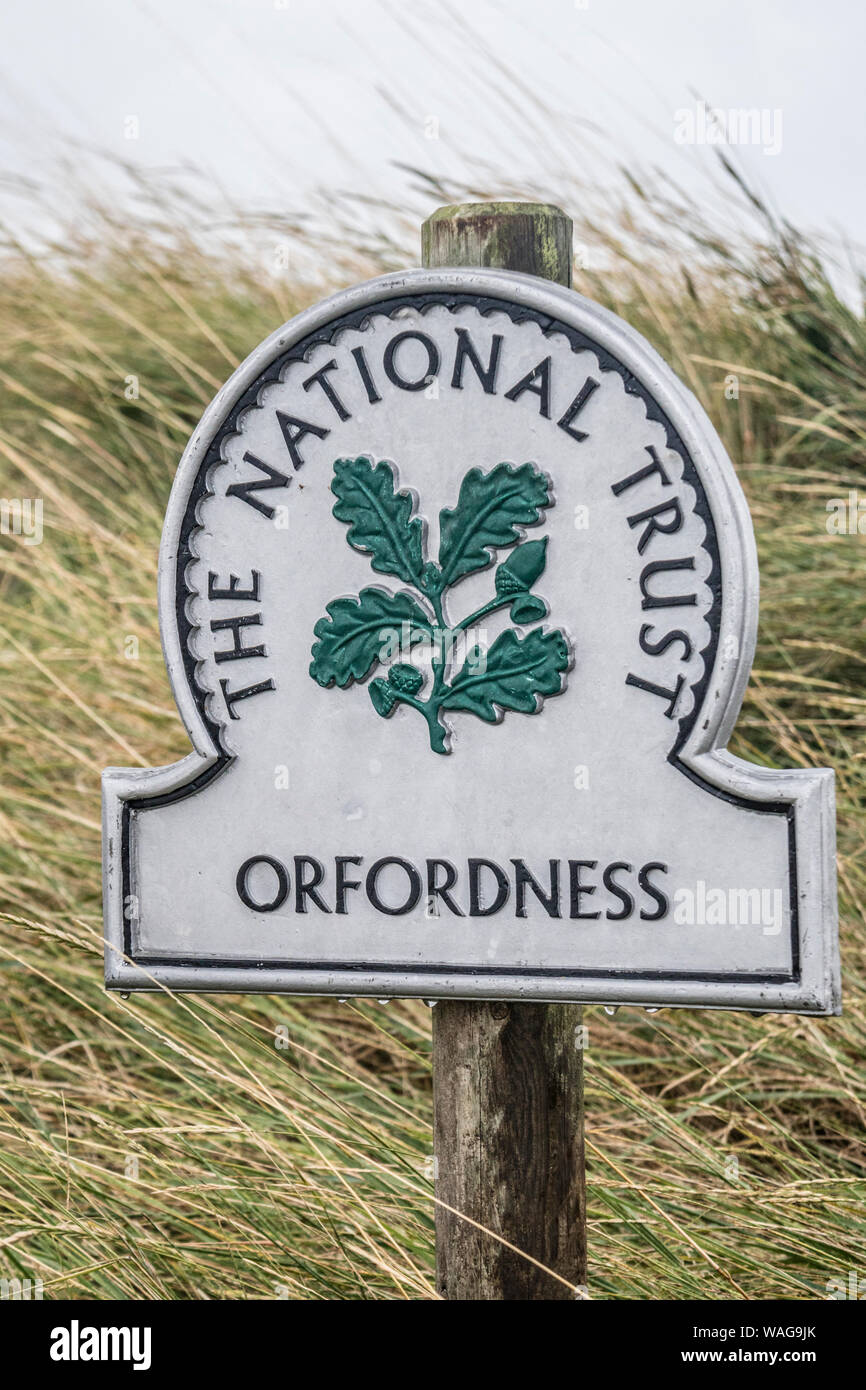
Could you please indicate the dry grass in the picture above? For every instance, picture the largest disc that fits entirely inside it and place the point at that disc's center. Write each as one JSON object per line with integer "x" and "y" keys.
{"x": 167, "y": 1147}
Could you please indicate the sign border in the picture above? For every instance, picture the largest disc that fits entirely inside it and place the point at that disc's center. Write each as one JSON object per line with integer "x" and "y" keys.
{"x": 806, "y": 796}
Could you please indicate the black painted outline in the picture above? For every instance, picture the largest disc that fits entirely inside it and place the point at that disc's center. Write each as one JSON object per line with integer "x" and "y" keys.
{"x": 580, "y": 342}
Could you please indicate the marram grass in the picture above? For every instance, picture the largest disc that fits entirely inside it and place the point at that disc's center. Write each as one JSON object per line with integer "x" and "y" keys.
{"x": 255, "y": 1147}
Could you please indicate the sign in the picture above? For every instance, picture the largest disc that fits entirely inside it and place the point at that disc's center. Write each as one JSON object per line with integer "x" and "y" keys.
{"x": 458, "y": 595}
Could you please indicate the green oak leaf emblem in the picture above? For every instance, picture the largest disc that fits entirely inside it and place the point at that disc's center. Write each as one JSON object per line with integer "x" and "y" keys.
{"x": 358, "y": 633}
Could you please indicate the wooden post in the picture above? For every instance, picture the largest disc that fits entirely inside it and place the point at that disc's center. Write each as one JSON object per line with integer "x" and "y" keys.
{"x": 507, "y": 1078}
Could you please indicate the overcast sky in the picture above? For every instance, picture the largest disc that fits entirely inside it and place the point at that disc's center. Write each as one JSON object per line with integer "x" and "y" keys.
{"x": 273, "y": 98}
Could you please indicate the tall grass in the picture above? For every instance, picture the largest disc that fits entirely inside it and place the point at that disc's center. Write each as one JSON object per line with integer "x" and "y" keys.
{"x": 249, "y": 1147}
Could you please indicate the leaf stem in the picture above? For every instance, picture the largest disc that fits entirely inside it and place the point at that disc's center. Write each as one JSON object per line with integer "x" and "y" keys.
{"x": 501, "y": 601}
{"x": 429, "y": 709}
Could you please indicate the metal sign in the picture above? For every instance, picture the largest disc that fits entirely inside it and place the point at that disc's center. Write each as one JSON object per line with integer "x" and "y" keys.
{"x": 458, "y": 595}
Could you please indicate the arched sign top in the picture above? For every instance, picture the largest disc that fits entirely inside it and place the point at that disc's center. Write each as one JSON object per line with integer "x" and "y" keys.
{"x": 425, "y": 509}
{"x": 556, "y": 312}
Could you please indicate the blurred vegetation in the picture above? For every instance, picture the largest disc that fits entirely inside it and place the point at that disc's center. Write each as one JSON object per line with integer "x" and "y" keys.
{"x": 178, "y": 1147}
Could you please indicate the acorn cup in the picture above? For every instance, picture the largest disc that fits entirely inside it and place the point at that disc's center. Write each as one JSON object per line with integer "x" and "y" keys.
{"x": 383, "y": 696}
{"x": 405, "y": 679}
{"x": 527, "y": 608}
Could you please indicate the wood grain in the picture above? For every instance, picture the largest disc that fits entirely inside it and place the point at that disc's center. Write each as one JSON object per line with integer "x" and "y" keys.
{"x": 507, "y": 1078}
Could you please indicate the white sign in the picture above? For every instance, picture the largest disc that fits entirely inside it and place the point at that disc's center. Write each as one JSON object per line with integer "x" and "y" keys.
{"x": 458, "y": 596}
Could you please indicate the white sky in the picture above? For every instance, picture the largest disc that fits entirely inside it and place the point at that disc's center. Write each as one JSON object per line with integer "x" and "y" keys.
{"x": 274, "y": 97}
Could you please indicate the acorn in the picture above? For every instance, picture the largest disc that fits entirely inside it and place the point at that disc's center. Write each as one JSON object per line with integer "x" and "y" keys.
{"x": 518, "y": 573}
{"x": 405, "y": 679}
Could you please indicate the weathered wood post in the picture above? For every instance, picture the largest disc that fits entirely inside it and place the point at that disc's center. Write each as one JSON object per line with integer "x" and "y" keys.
{"x": 507, "y": 1078}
